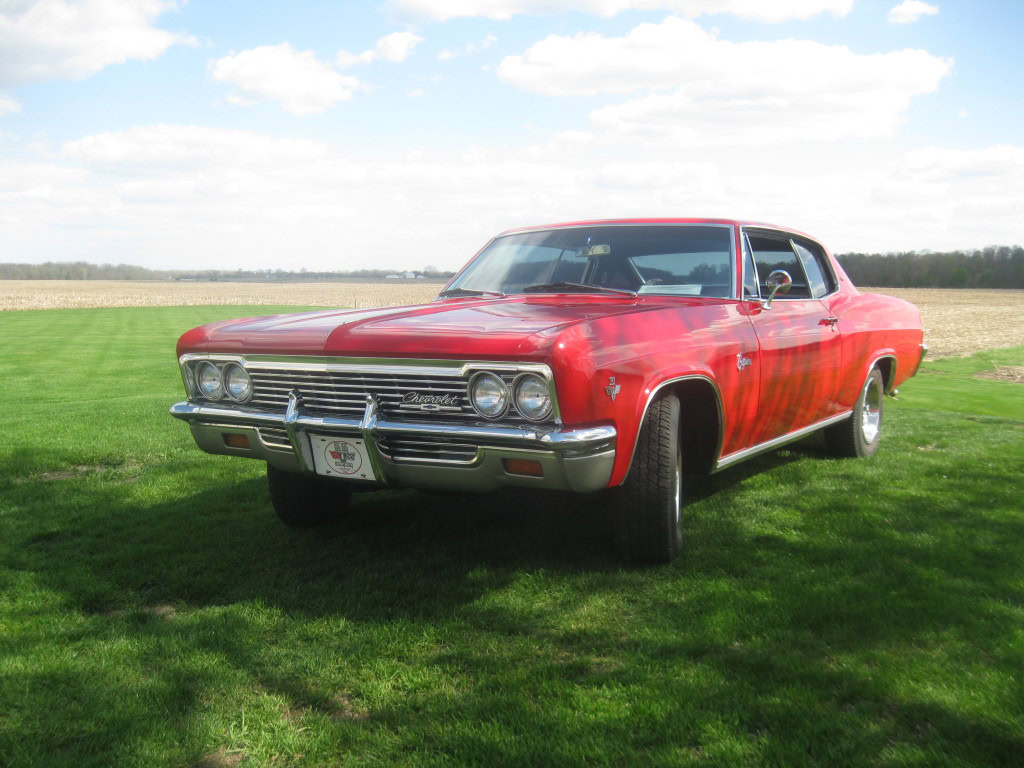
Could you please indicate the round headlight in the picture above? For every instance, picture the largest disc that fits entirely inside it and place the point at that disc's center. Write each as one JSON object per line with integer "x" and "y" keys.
{"x": 532, "y": 397}
{"x": 210, "y": 384}
{"x": 488, "y": 395}
{"x": 237, "y": 382}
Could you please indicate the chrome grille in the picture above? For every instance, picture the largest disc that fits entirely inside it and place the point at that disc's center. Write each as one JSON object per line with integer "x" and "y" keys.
{"x": 274, "y": 437}
{"x": 334, "y": 393}
{"x": 432, "y": 450}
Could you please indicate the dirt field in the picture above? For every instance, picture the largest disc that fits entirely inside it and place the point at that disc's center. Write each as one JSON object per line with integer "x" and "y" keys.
{"x": 956, "y": 322}
{"x": 77, "y": 294}
{"x": 959, "y": 322}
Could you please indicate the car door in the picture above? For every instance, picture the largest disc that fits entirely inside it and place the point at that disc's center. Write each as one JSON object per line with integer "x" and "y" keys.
{"x": 799, "y": 343}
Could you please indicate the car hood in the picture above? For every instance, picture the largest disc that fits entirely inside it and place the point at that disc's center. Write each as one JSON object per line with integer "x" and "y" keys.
{"x": 509, "y": 328}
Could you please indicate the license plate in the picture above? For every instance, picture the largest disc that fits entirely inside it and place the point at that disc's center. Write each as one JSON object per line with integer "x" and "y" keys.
{"x": 341, "y": 457}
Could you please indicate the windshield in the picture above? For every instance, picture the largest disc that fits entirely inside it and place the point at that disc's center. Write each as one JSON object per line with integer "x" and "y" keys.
{"x": 679, "y": 260}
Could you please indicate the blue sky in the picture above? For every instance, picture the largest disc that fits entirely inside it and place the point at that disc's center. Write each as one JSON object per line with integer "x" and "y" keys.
{"x": 403, "y": 133}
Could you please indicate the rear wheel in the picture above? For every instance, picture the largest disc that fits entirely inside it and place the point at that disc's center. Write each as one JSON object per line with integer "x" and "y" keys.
{"x": 648, "y": 512}
{"x": 858, "y": 436}
{"x": 301, "y": 501}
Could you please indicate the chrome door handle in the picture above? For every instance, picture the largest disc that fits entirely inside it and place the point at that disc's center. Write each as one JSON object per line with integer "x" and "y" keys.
{"x": 830, "y": 320}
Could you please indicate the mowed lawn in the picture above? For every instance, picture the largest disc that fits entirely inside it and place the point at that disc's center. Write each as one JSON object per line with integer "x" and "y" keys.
{"x": 153, "y": 612}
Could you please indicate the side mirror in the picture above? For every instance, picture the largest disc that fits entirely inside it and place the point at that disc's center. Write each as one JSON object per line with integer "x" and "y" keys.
{"x": 779, "y": 281}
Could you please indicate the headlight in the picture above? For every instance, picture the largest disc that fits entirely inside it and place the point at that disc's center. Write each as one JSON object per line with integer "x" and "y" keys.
{"x": 533, "y": 400}
{"x": 210, "y": 384}
{"x": 488, "y": 395}
{"x": 237, "y": 382}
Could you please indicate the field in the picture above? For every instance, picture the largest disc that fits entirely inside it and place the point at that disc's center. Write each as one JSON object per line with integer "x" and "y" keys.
{"x": 154, "y": 613}
{"x": 78, "y": 294}
{"x": 956, "y": 322}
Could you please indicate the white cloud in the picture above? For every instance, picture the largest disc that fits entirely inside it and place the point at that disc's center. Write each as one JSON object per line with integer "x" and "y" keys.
{"x": 468, "y": 49}
{"x": 759, "y": 10}
{"x": 193, "y": 196}
{"x": 692, "y": 87}
{"x": 910, "y": 11}
{"x": 396, "y": 48}
{"x": 303, "y": 84}
{"x": 61, "y": 39}
{"x": 8, "y": 104}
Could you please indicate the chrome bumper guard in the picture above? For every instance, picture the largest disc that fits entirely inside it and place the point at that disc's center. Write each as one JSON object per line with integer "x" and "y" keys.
{"x": 571, "y": 459}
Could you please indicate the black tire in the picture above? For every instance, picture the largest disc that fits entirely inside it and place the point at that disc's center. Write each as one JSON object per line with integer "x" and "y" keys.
{"x": 647, "y": 515}
{"x": 301, "y": 501}
{"x": 858, "y": 436}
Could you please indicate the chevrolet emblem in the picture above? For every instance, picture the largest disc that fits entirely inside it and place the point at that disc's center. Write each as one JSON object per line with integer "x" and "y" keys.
{"x": 612, "y": 389}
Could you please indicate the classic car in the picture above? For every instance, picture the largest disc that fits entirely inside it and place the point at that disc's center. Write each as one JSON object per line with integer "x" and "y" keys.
{"x": 596, "y": 356}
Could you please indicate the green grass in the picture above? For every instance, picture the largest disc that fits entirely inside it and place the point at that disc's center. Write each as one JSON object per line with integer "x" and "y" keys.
{"x": 153, "y": 611}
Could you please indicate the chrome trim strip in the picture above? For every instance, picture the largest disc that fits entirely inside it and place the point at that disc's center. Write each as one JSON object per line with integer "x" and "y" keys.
{"x": 611, "y": 223}
{"x": 657, "y": 389}
{"x": 887, "y": 388}
{"x": 537, "y": 436}
{"x": 920, "y": 359}
{"x": 746, "y": 453}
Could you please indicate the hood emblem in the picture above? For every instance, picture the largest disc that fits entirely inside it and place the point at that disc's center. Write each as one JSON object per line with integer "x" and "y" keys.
{"x": 419, "y": 401}
{"x": 612, "y": 389}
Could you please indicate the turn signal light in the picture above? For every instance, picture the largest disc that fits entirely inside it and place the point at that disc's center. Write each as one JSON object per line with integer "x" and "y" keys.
{"x": 527, "y": 467}
{"x": 236, "y": 441}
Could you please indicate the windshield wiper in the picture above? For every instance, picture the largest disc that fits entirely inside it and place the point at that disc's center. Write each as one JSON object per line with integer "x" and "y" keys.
{"x": 544, "y": 287}
{"x": 468, "y": 292}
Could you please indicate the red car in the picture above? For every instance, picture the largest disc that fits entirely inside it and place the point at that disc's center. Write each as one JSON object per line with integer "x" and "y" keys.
{"x": 585, "y": 356}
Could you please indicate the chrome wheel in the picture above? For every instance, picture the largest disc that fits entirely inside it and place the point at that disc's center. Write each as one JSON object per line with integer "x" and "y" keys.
{"x": 871, "y": 410}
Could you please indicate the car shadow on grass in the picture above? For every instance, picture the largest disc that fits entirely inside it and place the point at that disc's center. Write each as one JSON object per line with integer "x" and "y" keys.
{"x": 764, "y": 643}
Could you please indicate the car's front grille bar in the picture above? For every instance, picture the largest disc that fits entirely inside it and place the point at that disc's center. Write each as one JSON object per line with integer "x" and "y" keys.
{"x": 403, "y": 450}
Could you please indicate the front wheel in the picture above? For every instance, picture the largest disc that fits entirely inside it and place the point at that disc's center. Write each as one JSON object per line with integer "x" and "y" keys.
{"x": 301, "y": 501}
{"x": 858, "y": 436}
{"x": 648, "y": 515}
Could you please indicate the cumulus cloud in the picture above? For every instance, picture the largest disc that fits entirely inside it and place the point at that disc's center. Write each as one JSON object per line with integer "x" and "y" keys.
{"x": 759, "y": 10}
{"x": 396, "y": 48}
{"x": 194, "y": 196}
{"x": 297, "y": 79}
{"x": 688, "y": 85}
{"x": 910, "y": 11}
{"x": 62, "y": 39}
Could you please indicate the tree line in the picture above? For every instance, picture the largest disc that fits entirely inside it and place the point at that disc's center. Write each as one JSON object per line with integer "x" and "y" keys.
{"x": 81, "y": 270}
{"x": 992, "y": 267}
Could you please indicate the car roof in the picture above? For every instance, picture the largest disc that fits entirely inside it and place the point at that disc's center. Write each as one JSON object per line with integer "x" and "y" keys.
{"x": 673, "y": 220}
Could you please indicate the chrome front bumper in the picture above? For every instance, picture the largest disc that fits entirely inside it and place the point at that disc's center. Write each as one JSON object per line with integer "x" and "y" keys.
{"x": 571, "y": 459}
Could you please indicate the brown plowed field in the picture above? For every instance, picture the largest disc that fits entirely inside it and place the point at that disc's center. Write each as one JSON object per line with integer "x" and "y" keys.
{"x": 956, "y": 322}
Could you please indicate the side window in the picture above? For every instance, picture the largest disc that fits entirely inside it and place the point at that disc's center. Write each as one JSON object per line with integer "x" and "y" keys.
{"x": 819, "y": 277}
{"x": 749, "y": 272}
{"x": 771, "y": 253}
